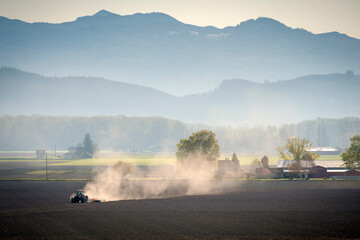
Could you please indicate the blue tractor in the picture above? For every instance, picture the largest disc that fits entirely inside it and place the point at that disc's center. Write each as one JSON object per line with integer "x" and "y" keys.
{"x": 79, "y": 196}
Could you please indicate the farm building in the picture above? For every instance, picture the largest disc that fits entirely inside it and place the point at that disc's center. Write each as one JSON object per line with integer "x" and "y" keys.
{"x": 345, "y": 174}
{"x": 324, "y": 150}
{"x": 284, "y": 164}
{"x": 322, "y": 169}
{"x": 318, "y": 172}
{"x": 229, "y": 166}
{"x": 40, "y": 154}
{"x": 337, "y": 173}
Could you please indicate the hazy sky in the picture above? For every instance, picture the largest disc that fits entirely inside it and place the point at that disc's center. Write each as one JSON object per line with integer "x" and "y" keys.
{"x": 317, "y": 16}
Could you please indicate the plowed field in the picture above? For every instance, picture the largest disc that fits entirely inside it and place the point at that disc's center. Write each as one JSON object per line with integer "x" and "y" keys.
{"x": 244, "y": 210}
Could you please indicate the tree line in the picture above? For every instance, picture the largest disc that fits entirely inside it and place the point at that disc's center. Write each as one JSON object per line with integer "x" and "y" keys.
{"x": 155, "y": 134}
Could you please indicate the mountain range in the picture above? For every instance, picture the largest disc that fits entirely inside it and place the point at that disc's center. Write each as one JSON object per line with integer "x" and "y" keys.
{"x": 233, "y": 102}
{"x": 158, "y": 51}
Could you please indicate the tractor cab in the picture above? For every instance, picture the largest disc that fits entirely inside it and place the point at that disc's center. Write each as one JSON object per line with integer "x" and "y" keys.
{"x": 79, "y": 196}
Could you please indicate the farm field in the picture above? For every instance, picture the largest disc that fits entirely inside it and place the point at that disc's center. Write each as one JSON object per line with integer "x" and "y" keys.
{"x": 239, "y": 210}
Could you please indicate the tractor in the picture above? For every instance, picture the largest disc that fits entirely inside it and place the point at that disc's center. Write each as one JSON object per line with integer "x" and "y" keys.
{"x": 79, "y": 197}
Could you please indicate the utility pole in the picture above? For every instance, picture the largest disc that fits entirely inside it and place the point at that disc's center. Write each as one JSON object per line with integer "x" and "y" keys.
{"x": 259, "y": 141}
{"x": 46, "y": 171}
{"x": 300, "y": 174}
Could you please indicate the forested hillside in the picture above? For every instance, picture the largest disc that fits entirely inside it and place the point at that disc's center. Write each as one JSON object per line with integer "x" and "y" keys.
{"x": 234, "y": 102}
{"x": 151, "y": 134}
{"x": 28, "y": 93}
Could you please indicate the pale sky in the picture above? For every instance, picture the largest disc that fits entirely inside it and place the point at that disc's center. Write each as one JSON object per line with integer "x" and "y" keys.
{"x": 317, "y": 16}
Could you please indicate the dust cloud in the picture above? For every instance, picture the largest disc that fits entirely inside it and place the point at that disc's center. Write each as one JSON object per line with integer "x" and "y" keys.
{"x": 117, "y": 182}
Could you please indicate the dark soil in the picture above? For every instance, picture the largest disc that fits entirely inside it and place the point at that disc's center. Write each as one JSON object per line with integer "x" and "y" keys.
{"x": 245, "y": 210}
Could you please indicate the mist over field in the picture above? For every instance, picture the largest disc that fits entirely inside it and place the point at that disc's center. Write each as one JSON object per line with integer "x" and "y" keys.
{"x": 154, "y": 134}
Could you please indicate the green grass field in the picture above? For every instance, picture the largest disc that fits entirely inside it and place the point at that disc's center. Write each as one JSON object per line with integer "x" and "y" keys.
{"x": 24, "y": 165}
{"x": 42, "y": 172}
{"x": 140, "y": 160}
{"x": 137, "y": 160}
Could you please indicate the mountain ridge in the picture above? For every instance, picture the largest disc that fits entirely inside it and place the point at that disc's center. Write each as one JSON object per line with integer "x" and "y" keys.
{"x": 158, "y": 51}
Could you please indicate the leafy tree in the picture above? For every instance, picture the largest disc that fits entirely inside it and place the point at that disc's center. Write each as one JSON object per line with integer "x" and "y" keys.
{"x": 351, "y": 157}
{"x": 87, "y": 148}
{"x": 255, "y": 163}
{"x": 200, "y": 145}
{"x": 296, "y": 149}
{"x": 235, "y": 159}
{"x": 265, "y": 162}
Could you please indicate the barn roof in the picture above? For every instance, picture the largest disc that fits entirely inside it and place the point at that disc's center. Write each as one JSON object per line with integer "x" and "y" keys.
{"x": 322, "y": 163}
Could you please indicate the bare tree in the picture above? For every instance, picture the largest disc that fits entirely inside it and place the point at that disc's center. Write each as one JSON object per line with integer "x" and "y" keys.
{"x": 296, "y": 149}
